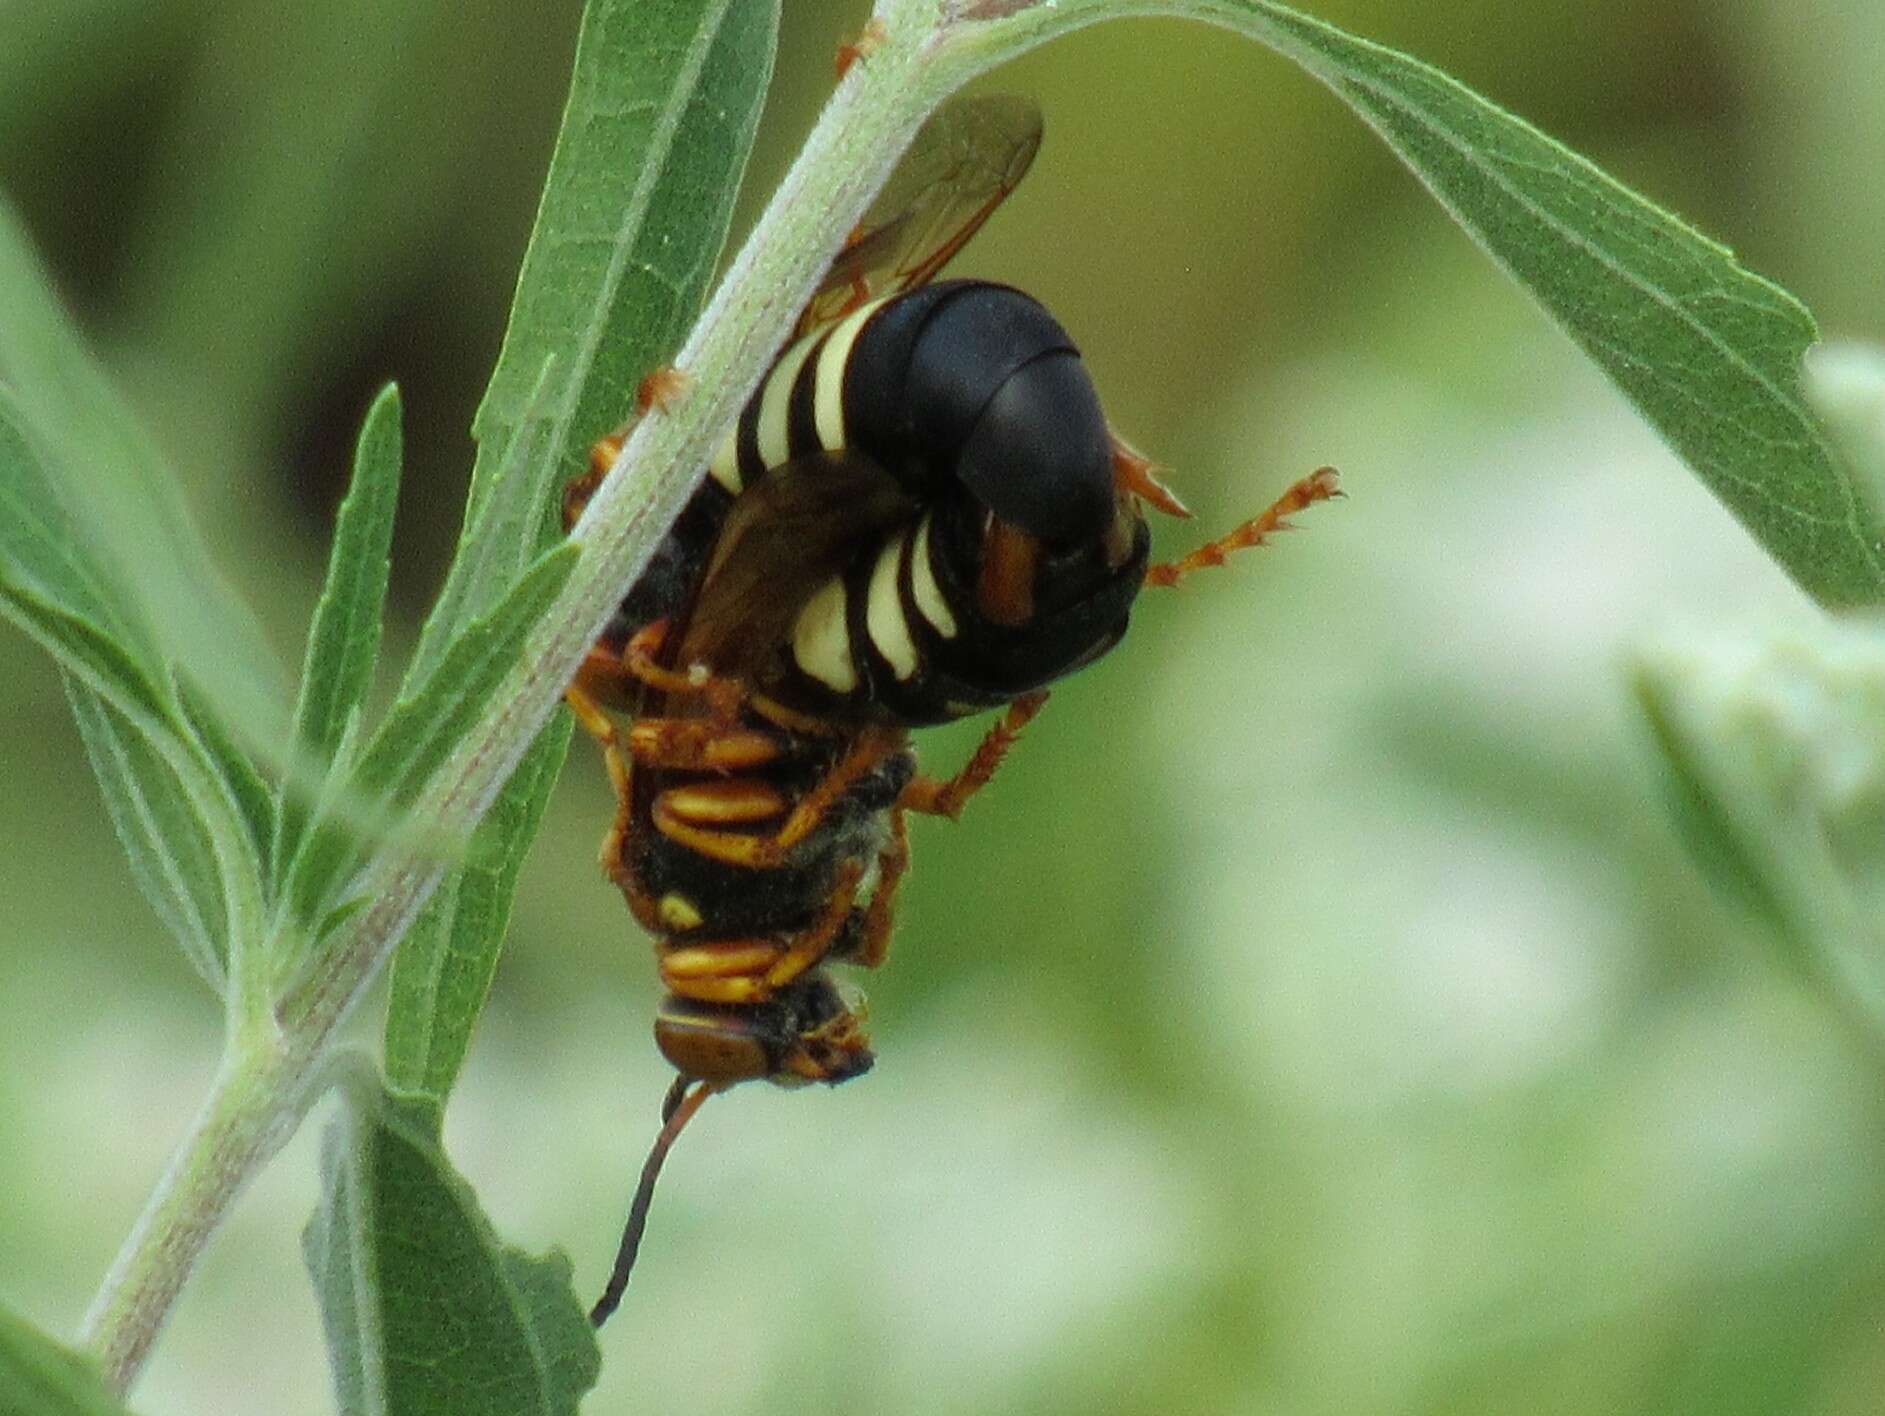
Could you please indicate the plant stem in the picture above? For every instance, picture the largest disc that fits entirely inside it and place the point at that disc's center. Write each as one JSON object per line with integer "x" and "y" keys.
{"x": 249, "y": 1113}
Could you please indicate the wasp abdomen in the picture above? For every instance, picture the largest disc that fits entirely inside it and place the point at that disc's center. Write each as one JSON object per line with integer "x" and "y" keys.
{"x": 968, "y": 382}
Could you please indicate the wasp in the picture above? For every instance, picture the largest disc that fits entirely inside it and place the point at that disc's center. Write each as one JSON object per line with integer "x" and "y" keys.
{"x": 921, "y": 514}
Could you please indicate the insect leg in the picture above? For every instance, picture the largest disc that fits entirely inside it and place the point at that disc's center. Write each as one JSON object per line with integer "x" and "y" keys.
{"x": 598, "y": 724}
{"x": 699, "y": 745}
{"x": 892, "y": 864}
{"x": 947, "y": 797}
{"x": 1134, "y": 472}
{"x": 674, "y": 815}
{"x": 811, "y": 947}
{"x": 1320, "y": 485}
{"x": 752, "y": 970}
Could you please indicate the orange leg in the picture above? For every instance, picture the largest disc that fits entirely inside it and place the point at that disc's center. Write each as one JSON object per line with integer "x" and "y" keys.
{"x": 724, "y": 696}
{"x": 661, "y": 389}
{"x": 598, "y": 725}
{"x": 947, "y": 798}
{"x": 1134, "y": 472}
{"x": 752, "y": 970}
{"x": 690, "y": 815}
{"x": 699, "y": 745}
{"x": 893, "y": 864}
{"x": 862, "y": 47}
{"x": 641, "y": 661}
{"x": 1319, "y": 485}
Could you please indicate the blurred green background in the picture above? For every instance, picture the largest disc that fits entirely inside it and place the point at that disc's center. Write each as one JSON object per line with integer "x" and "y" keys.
{"x": 1319, "y": 1015}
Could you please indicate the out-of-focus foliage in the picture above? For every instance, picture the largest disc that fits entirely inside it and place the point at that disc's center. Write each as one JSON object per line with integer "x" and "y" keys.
{"x": 1320, "y": 1013}
{"x": 42, "y": 1379}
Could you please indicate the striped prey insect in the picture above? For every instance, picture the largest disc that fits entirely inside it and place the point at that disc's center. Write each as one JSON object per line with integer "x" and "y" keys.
{"x": 921, "y": 514}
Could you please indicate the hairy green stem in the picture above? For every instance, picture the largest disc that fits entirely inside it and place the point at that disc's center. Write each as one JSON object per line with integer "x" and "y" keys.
{"x": 252, "y": 1108}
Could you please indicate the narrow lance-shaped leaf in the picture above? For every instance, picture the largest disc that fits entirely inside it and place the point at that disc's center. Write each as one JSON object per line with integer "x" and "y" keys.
{"x": 252, "y": 796}
{"x": 38, "y": 1377}
{"x": 157, "y": 773}
{"x": 426, "y": 1310}
{"x": 46, "y": 557}
{"x": 126, "y": 506}
{"x": 422, "y": 731}
{"x": 1707, "y": 351}
{"x": 442, "y": 973}
{"x": 1846, "y": 385}
{"x": 344, "y": 635}
{"x": 172, "y": 857}
{"x": 662, "y": 108}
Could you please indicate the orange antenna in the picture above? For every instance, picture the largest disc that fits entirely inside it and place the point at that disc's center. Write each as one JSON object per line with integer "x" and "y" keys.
{"x": 676, "y": 1111}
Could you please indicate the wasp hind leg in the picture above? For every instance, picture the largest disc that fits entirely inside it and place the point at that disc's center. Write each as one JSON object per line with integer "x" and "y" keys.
{"x": 1320, "y": 485}
{"x": 893, "y": 863}
{"x": 947, "y": 797}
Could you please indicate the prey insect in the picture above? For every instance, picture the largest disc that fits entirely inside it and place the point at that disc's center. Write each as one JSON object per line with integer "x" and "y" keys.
{"x": 921, "y": 514}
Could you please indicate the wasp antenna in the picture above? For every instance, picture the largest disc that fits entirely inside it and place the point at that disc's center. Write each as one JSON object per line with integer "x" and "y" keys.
{"x": 1320, "y": 485}
{"x": 676, "y": 1111}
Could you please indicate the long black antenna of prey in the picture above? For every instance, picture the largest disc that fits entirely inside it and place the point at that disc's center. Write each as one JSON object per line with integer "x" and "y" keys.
{"x": 676, "y": 1111}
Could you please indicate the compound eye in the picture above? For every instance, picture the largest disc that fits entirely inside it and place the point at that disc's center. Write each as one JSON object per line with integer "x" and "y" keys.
{"x": 713, "y": 1044}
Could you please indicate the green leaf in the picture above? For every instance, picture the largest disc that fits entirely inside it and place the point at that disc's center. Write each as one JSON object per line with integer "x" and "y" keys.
{"x": 38, "y": 1377}
{"x": 1707, "y": 351}
{"x": 662, "y": 107}
{"x": 146, "y": 744}
{"x": 422, "y": 731}
{"x": 123, "y": 514}
{"x": 1846, "y": 385}
{"x": 47, "y": 560}
{"x": 344, "y": 637}
{"x": 442, "y": 972}
{"x": 1776, "y": 752}
{"x": 425, "y": 1309}
{"x": 173, "y": 859}
{"x": 252, "y": 797}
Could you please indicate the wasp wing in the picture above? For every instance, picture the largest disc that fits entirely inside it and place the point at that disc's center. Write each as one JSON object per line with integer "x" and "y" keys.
{"x": 968, "y": 157}
{"x": 786, "y": 535}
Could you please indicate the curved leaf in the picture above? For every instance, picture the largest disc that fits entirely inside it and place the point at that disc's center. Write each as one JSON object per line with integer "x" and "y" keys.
{"x": 426, "y": 1309}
